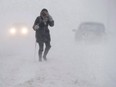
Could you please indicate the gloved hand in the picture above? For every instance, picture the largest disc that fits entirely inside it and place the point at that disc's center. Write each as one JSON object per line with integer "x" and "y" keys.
{"x": 50, "y": 18}
{"x": 46, "y": 17}
{"x": 44, "y": 14}
{"x": 36, "y": 27}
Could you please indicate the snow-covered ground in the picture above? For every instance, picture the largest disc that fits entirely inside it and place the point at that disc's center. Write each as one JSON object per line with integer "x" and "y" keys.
{"x": 70, "y": 64}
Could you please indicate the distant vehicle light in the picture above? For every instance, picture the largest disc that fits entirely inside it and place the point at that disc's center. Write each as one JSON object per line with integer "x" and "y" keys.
{"x": 24, "y": 30}
{"x": 18, "y": 30}
{"x": 12, "y": 31}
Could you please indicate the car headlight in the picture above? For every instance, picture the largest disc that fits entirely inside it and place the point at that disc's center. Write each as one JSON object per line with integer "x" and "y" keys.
{"x": 24, "y": 30}
{"x": 13, "y": 31}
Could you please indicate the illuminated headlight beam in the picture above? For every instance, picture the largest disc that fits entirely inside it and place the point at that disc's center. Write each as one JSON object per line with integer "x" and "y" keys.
{"x": 24, "y": 31}
{"x": 12, "y": 31}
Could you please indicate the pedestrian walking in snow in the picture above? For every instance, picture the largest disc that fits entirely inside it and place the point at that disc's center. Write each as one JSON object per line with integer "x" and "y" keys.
{"x": 42, "y": 32}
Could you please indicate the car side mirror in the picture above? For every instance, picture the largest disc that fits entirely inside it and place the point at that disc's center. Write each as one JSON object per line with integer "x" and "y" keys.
{"x": 74, "y": 30}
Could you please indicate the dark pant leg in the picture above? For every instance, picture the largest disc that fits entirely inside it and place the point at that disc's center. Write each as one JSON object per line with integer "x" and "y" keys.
{"x": 48, "y": 46}
{"x": 41, "y": 46}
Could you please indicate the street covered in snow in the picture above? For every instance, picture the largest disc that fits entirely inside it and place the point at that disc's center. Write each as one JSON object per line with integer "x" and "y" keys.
{"x": 85, "y": 67}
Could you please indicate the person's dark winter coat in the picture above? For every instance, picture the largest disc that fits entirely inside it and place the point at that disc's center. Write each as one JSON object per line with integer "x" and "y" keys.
{"x": 42, "y": 32}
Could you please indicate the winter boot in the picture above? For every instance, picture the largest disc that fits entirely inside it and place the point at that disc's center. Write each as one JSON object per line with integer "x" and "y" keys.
{"x": 44, "y": 57}
{"x": 40, "y": 56}
{"x": 46, "y": 52}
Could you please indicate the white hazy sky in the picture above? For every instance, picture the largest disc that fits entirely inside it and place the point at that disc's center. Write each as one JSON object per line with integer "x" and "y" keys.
{"x": 70, "y": 12}
{"x": 66, "y": 13}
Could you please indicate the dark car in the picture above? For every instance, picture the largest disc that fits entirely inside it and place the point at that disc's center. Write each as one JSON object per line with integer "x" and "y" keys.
{"x": 90, "y": 31}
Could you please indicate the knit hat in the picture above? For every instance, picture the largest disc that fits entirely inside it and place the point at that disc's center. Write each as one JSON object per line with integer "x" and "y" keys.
{"x": 44, "y": 9}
